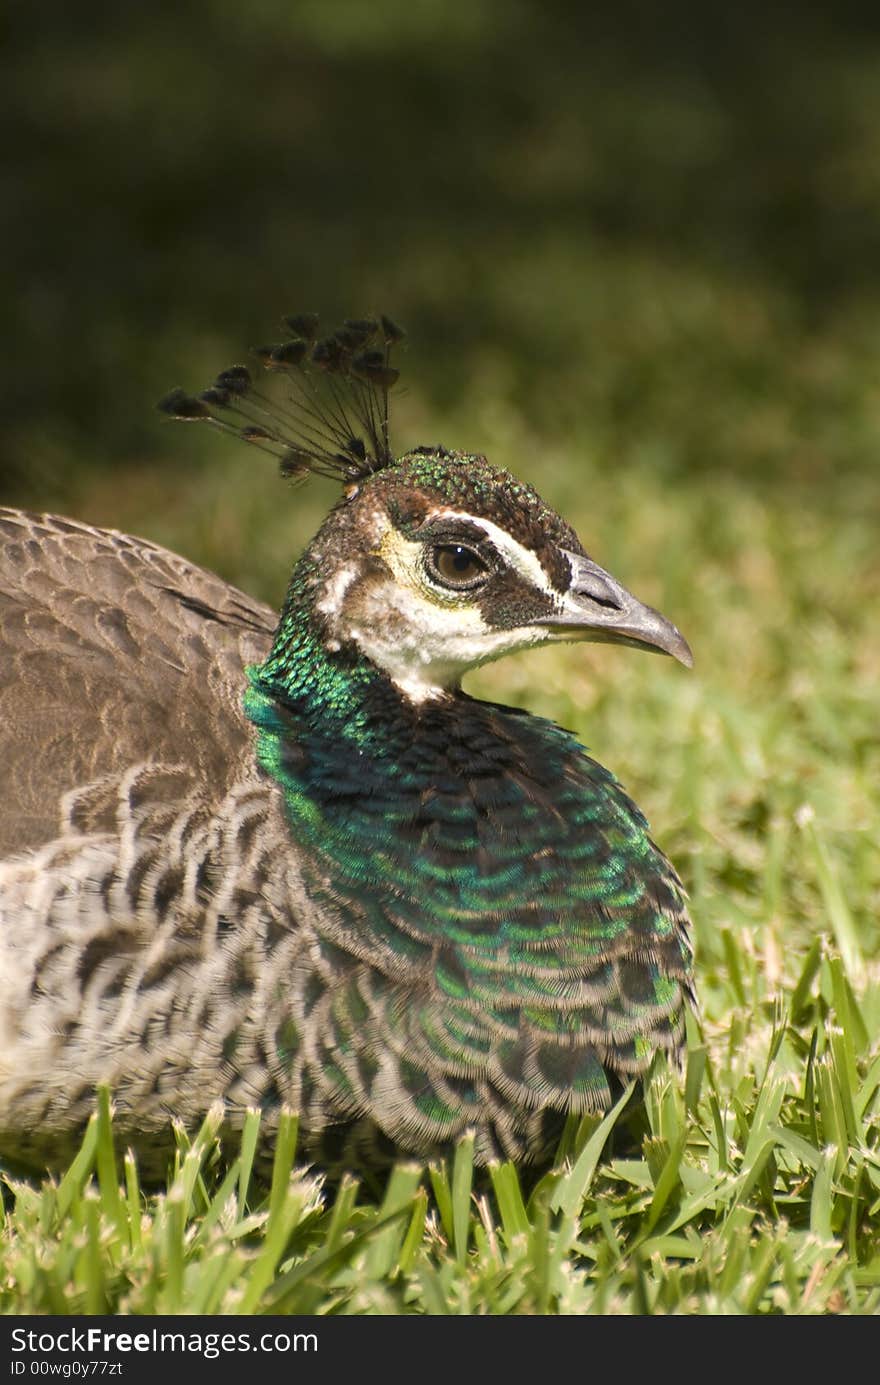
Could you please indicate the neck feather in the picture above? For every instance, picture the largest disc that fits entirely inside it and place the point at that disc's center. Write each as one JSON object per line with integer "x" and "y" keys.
{"x": 332, "y": 690}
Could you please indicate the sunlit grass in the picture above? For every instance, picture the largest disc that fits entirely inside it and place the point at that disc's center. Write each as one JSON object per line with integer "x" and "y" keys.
{"x": 753, "y": 1188}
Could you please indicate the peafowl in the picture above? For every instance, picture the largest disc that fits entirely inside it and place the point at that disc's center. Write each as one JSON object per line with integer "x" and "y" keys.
{"x": 287, "y": 862}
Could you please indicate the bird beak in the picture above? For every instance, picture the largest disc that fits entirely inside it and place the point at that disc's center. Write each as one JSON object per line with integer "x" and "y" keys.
{"x": 596, "y": 607}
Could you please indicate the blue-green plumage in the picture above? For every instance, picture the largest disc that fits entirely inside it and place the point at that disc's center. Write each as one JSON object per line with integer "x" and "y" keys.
{"x": 526, "y": 938}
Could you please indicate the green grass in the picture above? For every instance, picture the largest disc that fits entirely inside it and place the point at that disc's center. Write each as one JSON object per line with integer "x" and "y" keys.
{"x": 752, "y": 1195}
{"x": 751, "y": 1183}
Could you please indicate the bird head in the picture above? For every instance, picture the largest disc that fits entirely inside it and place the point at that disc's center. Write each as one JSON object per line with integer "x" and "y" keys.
{"x": 442, "y": 562}
{"x": 432, "y": 563}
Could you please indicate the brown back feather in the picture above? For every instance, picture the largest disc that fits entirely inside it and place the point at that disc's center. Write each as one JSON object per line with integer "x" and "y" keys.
{"x": 113, "y": 652}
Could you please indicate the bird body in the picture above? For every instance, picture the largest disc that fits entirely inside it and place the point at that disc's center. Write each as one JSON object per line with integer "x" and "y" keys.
{"x": 289, "y": 863}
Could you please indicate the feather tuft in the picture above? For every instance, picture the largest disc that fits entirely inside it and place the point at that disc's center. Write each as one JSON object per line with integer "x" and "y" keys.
{"x": 334, "y": 419}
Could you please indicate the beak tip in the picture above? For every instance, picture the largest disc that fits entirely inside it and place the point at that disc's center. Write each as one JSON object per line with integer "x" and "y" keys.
{"x": 682, "y": 652}
{"x": 599, "y": 608}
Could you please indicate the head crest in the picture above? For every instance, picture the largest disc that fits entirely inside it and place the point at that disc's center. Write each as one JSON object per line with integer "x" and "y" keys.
{"x": 333, "y": 420}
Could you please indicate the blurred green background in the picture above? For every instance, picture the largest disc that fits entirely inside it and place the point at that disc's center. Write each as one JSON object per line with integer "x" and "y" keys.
{"x": 637, "y": 251}
{"x": 648, "y": 233}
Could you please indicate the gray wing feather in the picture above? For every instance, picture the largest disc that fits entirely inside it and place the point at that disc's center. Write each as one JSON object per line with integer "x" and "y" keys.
{"x": 113, "y": 652}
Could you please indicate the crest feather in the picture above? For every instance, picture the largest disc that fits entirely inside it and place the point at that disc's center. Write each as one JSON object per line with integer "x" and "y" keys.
{"x": 334, "y": 418}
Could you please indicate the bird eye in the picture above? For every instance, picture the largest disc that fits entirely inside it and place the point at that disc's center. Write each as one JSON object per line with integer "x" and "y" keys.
{"x": 455, "y": 566}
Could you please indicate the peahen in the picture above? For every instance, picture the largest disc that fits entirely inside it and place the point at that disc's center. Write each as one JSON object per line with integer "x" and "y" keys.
{"x": 289, "y": 862}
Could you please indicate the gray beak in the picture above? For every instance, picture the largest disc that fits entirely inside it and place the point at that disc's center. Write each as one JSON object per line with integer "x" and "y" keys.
{"x": 596, "y": 607}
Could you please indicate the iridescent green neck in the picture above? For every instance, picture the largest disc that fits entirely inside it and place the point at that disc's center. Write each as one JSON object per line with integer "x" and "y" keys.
{"x": 332, "y": 689}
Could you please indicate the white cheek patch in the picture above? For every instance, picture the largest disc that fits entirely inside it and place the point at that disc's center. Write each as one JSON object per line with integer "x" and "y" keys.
{"x": 426, "y": 648}
{"x": 334, "y": 592}
{"x": 426, "y": 644}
